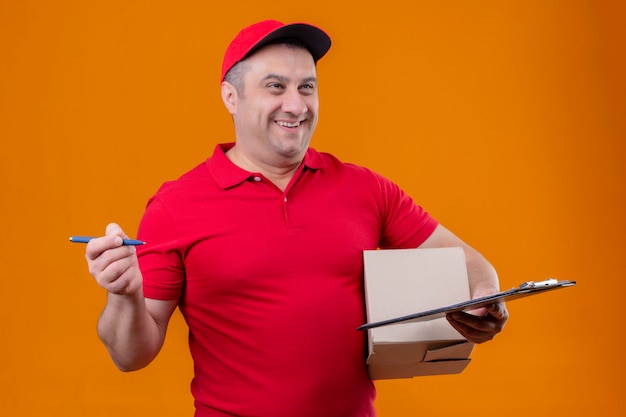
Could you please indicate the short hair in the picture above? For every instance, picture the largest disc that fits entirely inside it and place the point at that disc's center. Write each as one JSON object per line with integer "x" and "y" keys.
{"x": 235, "y": 75}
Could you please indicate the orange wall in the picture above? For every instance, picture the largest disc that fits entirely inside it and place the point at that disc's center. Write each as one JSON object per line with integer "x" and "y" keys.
{"x": 504, "y": 119}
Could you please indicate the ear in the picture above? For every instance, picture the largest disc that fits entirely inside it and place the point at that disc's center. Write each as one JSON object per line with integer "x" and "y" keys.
{"x": 229, "y": 96}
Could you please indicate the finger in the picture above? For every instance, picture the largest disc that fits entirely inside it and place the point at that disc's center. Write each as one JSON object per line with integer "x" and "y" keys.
{"x": 468, "y": 319}
{"x": 114, "y": 229}
{"x": 107, "y": 258}
{"x": 498, "y": 310}
{"x": 476, "y": 329}
{"x": 96, "y": 247}
{"x": 480, "y": 312}
{"x": 116, "y": 269}
{"x": 471, "y": 334}
{"x": 119, "y": 278}
{"x": 486, "y": 323}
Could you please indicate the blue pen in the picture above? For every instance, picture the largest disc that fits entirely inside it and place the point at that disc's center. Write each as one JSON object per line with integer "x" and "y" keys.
{"x": 126, "y": 242}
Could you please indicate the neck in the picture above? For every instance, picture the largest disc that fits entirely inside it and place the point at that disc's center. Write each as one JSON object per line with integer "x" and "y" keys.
{"x": 279, "y": 174}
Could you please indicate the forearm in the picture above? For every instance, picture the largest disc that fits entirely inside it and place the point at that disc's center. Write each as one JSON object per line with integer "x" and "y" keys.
{"x": 483, "y": 279}
{"x": 129, "y": 332}
{"x": 484, "y": 323}
{"x": 482, "y": 276}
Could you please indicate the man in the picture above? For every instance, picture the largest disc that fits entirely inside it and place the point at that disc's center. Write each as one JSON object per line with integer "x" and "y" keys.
{"x": 261, "y": 249}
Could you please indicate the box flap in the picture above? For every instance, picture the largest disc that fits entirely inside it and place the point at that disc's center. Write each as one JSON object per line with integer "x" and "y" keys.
{"x": 418, "y": 369}
{"x": 448, "y": 352}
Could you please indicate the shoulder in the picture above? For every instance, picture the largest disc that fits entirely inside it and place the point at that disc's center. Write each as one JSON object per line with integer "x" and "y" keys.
{"x": 359, "y": 176}
{"x": 330, "y": 162}
{"x": 195, "y": 179}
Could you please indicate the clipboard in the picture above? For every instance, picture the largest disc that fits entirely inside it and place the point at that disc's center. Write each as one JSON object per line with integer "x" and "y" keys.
{"x": 524, "y": 290}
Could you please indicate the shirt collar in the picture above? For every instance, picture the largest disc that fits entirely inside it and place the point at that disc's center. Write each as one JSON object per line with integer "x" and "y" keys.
{"x": 228, "y": 175}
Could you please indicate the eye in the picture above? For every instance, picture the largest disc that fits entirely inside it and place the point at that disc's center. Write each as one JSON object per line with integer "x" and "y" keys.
{"x": 274, "y": 85}
{"x": 307, "y": 88}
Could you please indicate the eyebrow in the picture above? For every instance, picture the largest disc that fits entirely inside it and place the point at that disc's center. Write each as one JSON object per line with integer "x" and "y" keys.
{"x": 284, "y": 79}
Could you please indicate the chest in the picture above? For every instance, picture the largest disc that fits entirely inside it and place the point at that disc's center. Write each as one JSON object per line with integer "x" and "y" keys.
{"x": 257, "y": 236}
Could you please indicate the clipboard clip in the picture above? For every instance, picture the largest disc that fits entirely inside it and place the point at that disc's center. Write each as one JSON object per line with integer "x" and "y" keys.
{"x": 532, "y": 284}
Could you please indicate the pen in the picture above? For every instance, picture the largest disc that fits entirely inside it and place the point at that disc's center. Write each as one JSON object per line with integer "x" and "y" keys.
{"x": 126, "y": 242}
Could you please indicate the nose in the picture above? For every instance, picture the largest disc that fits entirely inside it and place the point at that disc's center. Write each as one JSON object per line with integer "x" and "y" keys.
{"x": 294, "y": 103}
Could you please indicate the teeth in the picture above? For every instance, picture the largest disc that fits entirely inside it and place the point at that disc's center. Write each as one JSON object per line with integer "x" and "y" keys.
{"x": 287, "y": 124}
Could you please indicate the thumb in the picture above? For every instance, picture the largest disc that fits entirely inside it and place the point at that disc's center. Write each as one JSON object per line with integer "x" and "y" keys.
{"x": 497, "y": 309}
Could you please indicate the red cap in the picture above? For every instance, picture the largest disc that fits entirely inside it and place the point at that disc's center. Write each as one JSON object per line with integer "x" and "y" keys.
{"x": 254, "y": 37}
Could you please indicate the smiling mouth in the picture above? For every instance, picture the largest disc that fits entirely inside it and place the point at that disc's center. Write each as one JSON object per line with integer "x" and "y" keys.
{"x": 288, "y": 124}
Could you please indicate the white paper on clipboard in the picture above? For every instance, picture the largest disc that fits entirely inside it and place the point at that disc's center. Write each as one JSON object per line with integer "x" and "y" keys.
{"x": 526, "y": 289}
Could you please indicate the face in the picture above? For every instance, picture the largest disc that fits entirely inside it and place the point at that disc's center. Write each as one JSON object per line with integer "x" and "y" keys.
{"x": 276, "y": 113}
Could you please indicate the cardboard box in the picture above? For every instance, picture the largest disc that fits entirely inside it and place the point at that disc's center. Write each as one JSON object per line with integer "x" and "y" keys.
{"x": 399, "y": 282}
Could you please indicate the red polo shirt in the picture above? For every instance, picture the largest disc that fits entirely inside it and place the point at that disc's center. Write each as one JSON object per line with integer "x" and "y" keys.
{"x": 270, "y": 282}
